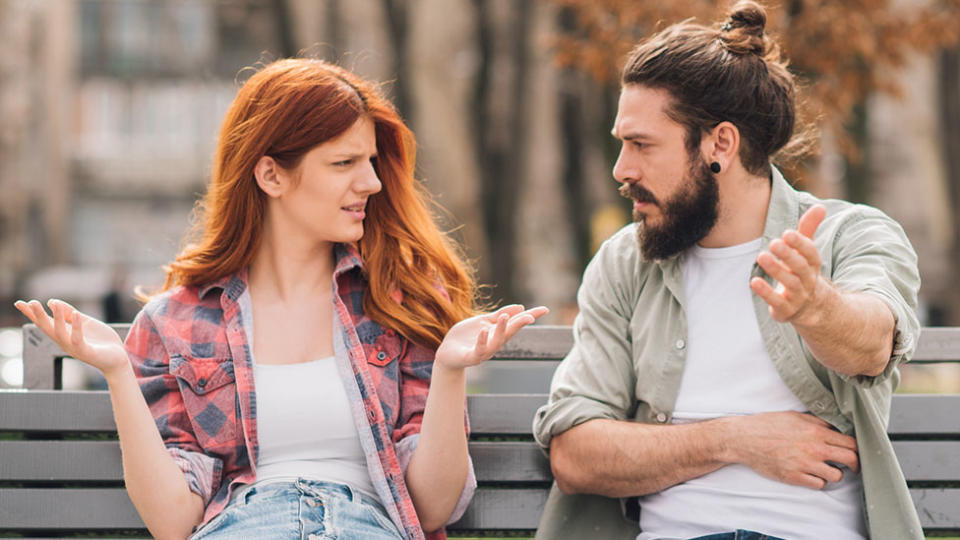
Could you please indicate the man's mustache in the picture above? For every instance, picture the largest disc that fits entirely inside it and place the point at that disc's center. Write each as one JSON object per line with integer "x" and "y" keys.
{"x": 637, "y": 193}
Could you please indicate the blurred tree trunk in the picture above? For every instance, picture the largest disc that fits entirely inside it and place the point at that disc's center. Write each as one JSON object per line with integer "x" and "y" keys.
{"x": 572, "y": 132}
{"x": 284, "y": 28}
{"x": 949, "y": 95}
{"x": 858, "y": 164}
{"x": 499, "y": 122}
{"x": 334, "y": 23}
{"x": 398, "y": 25}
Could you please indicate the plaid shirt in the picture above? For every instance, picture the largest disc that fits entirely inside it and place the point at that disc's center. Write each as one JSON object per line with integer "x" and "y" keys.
{"x": 191, "y": 354}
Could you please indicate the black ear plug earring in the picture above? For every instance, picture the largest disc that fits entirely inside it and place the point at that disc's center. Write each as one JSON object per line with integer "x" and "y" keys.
{"x": 715, "y": 167}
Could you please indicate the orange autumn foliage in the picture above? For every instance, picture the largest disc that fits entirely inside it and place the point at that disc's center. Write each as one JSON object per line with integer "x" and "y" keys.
{"x": 842, "y": 50}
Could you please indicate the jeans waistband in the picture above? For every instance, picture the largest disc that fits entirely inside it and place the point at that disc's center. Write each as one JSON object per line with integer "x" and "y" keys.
{"x": 302, "y": 485}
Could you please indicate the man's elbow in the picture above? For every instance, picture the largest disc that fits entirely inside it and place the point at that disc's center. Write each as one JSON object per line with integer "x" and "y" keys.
{"x": 565, "y": 469}
{"x": 877, "y": 366}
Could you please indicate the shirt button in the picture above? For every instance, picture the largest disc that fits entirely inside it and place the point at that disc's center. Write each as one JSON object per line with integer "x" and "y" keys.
{"x": 661, "y": 417}
{"x": 202, "y": 382}
{"x": 818, "y": 405}
{"x": 381, "y": 355}
{"x": 681, "y": 344}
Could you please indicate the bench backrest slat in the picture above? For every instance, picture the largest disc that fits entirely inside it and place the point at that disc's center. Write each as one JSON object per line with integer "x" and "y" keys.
{"x": 490, "y": 414}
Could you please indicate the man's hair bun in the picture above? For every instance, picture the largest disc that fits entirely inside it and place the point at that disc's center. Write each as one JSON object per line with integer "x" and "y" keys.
{"x": 742, "y": 33}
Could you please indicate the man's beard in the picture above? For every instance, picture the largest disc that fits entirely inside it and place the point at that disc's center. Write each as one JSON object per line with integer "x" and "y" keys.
{"x": 687, "y": 217}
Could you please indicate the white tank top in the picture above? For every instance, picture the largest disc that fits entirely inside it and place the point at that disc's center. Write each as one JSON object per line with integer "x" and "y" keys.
{"x": 729, "y": 372}
{"x": 305, "y": 426}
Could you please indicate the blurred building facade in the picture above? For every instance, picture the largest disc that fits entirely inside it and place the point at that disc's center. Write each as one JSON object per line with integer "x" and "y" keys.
{"x": 109, "y": 111}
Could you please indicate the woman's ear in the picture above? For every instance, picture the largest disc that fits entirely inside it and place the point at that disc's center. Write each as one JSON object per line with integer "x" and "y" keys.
{"x": 722, "y": 145}
{"x": 270, "y": 177}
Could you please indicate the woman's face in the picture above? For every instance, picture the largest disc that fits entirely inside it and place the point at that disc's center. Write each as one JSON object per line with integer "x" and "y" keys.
{"x": 335, "y": 180}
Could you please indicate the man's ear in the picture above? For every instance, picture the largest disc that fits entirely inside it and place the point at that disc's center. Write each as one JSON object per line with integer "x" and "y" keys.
{"x": 722, "y": 145}
{"x": 270, "y": 176}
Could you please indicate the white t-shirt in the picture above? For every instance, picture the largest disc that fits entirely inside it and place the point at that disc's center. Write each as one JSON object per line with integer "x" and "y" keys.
{"x": 728, "y": 372}
{"x": 305, "y": 426}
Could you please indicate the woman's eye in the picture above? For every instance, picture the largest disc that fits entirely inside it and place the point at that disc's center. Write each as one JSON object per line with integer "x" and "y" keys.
{"x": 343, "y": 163}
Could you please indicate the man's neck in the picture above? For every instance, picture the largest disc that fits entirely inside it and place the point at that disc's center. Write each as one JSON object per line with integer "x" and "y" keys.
{"x": 744, "y": 199}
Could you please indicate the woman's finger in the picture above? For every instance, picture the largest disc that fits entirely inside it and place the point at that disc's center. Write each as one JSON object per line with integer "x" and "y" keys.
{"x": 76, "y": 337}
{"x": 510, "y": 311}
{"x": 24, "y": 308}
{"x": 41, "y": 319}
{"x": 59, "y": 321}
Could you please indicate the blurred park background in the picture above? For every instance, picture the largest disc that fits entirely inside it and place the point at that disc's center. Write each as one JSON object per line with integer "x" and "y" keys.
{"x": 109, "y": 111}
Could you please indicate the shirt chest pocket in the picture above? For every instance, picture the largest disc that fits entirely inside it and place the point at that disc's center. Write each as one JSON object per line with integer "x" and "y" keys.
{"x": 386, "y": 349}
{"x": 209, "y": 391}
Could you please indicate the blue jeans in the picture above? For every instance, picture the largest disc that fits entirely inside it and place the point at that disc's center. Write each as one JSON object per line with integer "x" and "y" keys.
{"x": 304, "y": 509}
{"x": 739, "y": 534}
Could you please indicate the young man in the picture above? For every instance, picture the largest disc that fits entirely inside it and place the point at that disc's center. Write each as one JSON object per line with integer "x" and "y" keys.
{"x": 736, "y": 348}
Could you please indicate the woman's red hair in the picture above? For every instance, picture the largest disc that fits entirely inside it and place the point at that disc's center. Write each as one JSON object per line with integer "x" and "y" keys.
{"x": 284, "y": 110}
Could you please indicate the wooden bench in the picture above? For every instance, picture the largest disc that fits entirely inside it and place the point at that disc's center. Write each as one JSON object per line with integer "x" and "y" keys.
{"x": 60, "y": 472}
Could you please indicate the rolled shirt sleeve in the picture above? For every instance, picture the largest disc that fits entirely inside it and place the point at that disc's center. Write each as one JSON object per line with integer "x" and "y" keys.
{"x": 416, "y": 366}
{"x": 151, "y": 364}
{"x": 873, "y": 256}
{"x": 597, "y": 378}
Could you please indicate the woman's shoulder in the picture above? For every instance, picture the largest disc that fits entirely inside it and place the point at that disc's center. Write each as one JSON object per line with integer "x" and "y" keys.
{"x": 178, "y": 302}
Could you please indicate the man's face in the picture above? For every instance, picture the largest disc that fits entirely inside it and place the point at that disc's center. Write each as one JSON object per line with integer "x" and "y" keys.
{"x": 675, "y": 196}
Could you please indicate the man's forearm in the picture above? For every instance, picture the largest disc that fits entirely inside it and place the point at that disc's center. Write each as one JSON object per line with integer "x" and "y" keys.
{"x": 849, "y": 332}
{"x": 621, "y": 459}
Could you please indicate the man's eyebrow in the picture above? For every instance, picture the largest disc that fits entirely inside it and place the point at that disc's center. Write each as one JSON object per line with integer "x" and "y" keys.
{"x": 630, "y": 136}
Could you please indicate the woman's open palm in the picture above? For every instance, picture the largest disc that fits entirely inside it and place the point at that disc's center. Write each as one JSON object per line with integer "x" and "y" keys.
{"x": 80, "y": 336}
{"x": 475, "y": 340}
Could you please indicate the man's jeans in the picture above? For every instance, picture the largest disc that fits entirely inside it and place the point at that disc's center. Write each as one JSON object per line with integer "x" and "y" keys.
{"x": 739, "y": 534}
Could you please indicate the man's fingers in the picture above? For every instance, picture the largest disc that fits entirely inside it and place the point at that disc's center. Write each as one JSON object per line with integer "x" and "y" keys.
{"x": 835, "y": 438}
{"x": 843, "y": 456}
{"x": 794, "y": 261}
{"x": 776, "y": 269}
{"x": 805, "y": 247}
{"x": 777, "y": 303}
{"x": 827, "y": 472}
{"x": 808, "y": 480}
{"x": 811, "y": 219}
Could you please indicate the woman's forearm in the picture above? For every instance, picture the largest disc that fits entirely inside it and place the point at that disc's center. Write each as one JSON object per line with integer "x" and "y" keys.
{"x": 438, "y": 468}
{"x": 154, "y": 482}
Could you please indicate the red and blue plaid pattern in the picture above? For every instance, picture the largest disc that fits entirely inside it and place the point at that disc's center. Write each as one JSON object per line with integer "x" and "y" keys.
{"x": 192, "y": 359}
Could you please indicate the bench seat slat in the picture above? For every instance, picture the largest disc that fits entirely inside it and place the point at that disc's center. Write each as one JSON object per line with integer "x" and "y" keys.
{"x": 110, "y": 509}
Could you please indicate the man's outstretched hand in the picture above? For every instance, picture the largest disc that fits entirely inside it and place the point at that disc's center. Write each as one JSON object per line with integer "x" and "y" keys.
{"x": 794, "y": 261}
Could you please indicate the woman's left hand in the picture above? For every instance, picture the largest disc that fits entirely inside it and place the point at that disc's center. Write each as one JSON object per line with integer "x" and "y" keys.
{"x": 475, "y": 340}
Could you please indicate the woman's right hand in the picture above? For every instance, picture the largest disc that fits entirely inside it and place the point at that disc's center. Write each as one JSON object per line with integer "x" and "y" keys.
{"x": 80, "y": 336}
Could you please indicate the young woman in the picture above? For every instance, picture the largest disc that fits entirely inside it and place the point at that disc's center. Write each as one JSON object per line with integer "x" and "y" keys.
{"x": 301, "y": 374}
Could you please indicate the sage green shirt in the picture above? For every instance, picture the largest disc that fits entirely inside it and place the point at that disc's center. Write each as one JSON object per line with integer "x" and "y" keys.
{"x": 630, "y": 342}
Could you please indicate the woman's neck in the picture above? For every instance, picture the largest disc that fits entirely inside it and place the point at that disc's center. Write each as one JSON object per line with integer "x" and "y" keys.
{"x": 287, "y": 267}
